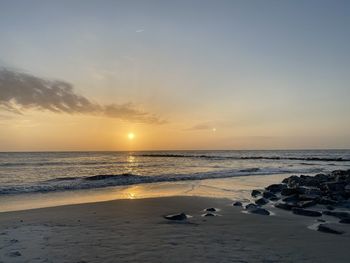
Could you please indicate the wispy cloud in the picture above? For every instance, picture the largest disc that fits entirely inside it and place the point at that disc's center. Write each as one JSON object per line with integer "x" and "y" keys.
{"x": 210, "y": 125}
{"x": 21, "y": 91}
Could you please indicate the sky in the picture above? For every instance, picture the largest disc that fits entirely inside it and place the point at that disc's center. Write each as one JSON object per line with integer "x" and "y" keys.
{"x": 83, "y": 75}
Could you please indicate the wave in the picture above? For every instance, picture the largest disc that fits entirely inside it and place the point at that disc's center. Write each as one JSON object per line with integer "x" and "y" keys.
{"x": 106, "y": 180}
{"x": 321, "y": 159}
{"x": 9, "y": 164}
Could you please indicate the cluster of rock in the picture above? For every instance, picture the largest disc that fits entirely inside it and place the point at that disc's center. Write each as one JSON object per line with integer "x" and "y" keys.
{"x": 311, "y": 196}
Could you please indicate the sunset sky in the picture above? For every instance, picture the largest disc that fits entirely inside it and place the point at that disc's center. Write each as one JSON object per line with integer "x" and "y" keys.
{"x": 84, "y": 75}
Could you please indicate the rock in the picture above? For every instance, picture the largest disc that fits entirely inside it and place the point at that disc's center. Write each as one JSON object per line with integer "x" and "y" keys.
{"x": 276, "y": 188}
{"x": 304, "y": 212}
{"x": 284, "y": 206}
{"x": 209, "y": 214}
{"x": 259, "y": 211}
{"x": 291, "y": 199}
{"x": 251, "y": 206}
{"x": 237, "y": 203}
{"x": 327, "y": 201}
{"x": 337, "y": 214}
{"x": 261, "y": 201}
{"x": 288, "y": 191}
{"x": 256, "y": 193}
{"x": 326, "y": 228}
{"x": 329, "y": 207}
{"x": 308, "y": 197}
{"x": 345, "y": 221}
{"x": 178, "y": 217}
{"x": 211, "y": 209}
{"x": 304, "y": 204}
{"x": 292, "y": 181}
{"x": 269, "y": 195}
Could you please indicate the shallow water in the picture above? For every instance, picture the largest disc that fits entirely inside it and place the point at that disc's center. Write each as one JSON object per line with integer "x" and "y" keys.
{"x": 58, "y": 171}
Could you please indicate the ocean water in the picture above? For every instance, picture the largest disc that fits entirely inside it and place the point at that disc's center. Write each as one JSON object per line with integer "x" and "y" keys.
{"x": 43, "y": 172}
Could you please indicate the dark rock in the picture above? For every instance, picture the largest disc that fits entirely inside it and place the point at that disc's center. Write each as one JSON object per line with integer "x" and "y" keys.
{"x": 327, "y": 201}
{"x": 261, "y": 201}
{"x": 291, "y": 199}
{"x": 328, "y": 229}
{"x": 304, "y": 212}
{"x": 211, "y": 209}
{"x": 179, "y": 217}
{"x": 256, "y": 193}
{"x": 237, "y": 203}
{"x": 304, "y": 204}
{"x": 329, "y": 207}
{"x": 284, "y": 206}
{"x": 209, "y": 214}
{"x": 289, "y": 191}
{"x": 337, "y": 214}
{"x": 308, "y": 197}
{"x": 276, "y": 188}
{"x": 251, "y": 206}
{"x": 259, "y": 211}
{"x": 269, "y": 195}
{"x": 345, "y": 221}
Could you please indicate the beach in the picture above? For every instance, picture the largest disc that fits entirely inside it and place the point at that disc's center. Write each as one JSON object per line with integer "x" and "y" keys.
{"x": 135, "y": 231}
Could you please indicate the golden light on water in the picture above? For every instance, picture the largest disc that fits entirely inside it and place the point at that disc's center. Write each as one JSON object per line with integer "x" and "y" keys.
{"x": 131, "y": 136}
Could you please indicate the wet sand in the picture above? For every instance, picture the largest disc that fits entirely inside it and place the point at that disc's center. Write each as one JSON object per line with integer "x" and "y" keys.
{"x": 135, "y": 231}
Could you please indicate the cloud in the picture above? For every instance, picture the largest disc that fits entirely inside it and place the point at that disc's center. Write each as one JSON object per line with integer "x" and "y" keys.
{"x": 210, "y": 125}
{"x": 21, "y": 91}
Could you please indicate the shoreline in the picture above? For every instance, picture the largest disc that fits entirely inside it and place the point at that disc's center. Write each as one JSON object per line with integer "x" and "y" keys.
{"x": 135, "y": 231}
{"x": 234, "y": 188}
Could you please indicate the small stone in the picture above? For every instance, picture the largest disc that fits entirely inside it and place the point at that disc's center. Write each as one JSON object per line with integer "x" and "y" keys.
{"x": 211, "y": 209}
{"x": 237, "y": 203}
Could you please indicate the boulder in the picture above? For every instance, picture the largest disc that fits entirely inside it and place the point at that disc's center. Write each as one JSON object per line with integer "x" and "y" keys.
{"x": 251, "y": 206}
{"x": 209, "y": 214}
{"x": 284, "y": 206}
{"x": 259, "y": 211}
{"x": 291, "y": 199}
{"x": 289, "y": 191}
{"x": 276, "y": 188}
{"x": 178, "y": 217}
{"x": 269, "y": 195}
{"x": 304, "y": 212}
{"x": 304, "y": 204}
{"x": 256, "y": 193}
{"x": 345, "y": 221}
{"x": 261, "y": 201}
{"x": 326, "y": 228}
{"x": 237, "y": 203}
{"x": 211, "y": 209}
{"x": 337, "y": 214}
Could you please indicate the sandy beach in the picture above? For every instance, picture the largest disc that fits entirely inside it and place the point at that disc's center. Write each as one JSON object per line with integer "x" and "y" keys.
{"x": 135, "y": 231}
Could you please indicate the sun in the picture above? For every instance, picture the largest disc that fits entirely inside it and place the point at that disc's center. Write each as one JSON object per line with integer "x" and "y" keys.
{"x": 131, "y": 136}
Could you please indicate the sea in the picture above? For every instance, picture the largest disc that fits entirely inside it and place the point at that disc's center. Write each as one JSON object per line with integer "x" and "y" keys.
{"x": 45, "y": 172}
